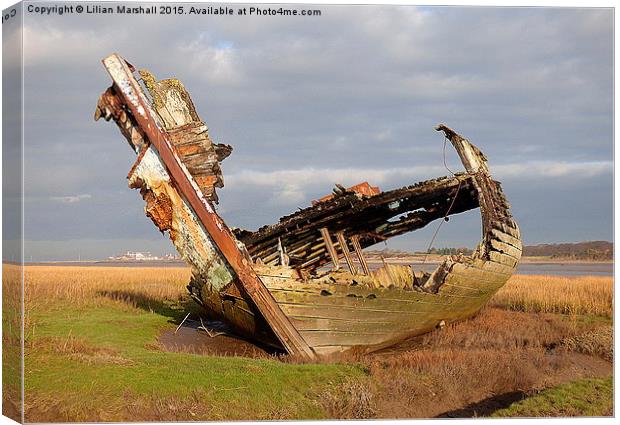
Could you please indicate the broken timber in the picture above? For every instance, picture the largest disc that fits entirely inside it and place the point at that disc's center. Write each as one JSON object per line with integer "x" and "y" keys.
{"x": 269, "y": 285}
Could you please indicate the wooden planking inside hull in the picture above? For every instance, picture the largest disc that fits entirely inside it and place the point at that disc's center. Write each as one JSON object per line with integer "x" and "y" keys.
{"x": 506, "y": 260}
{"x": 506, "y": 238}
{"x": 506, "y": 249}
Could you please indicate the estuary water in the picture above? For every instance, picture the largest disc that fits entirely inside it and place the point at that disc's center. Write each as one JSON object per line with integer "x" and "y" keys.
{"x": 554, "y": 269}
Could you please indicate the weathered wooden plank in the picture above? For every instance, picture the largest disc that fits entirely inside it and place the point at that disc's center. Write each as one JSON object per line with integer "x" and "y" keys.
{"x": 506, "y": 249}
{"x": 342, "y": 242}
{"x": 493, "y": 267}
{"x": 504, "y": 227}
{"x": 345, "y": 325}
{"x": 327, "y": 239}
{"x": 506, "y": 238}
{"x": 355, "y": 241}
{"x": 504, "y": 259}
{"x": 315, "y": 338}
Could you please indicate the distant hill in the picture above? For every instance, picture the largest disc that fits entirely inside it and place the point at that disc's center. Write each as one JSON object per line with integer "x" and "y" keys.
{"x": 593, "y": 250}
{"x": 387, "y": 253}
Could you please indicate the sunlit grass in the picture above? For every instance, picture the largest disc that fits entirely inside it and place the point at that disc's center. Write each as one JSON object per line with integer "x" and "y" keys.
{"x": 585, "y": 397}
{"x": 91, "y": 353}
{"x": 590, "y": 295}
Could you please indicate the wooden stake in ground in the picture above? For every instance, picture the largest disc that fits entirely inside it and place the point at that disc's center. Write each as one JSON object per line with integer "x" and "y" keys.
{"x": 181, "y": 324}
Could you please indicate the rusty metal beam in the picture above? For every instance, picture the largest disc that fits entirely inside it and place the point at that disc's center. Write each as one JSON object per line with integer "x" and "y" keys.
{"x": 130, "y": 91}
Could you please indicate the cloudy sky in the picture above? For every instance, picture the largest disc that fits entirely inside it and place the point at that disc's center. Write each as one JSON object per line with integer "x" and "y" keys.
{"x": 307, "y": 102}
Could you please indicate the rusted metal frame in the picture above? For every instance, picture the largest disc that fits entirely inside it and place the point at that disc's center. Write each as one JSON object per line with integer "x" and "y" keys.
{"x": 135, "y": 100}
{"x": 330, "y": 247}
{"x": 355, "y": 241}
{"x": 342, "y": 241}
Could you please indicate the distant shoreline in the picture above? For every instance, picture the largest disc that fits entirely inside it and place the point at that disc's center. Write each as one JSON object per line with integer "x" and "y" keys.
{"x": 413, "y": 259}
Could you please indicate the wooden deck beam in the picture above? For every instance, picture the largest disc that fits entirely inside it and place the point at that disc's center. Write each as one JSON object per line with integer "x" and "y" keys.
{"x": 331, "y": 249}
{"x": 355, "y": 241}
{"x": 345, "y": 251}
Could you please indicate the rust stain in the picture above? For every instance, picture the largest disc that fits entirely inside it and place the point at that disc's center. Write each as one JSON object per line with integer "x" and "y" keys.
{"x": 363, "y": 189}
{"x": 159, "y": 209}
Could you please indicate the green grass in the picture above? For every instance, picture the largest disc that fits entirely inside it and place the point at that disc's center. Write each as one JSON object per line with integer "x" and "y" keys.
{"x": 71, "y": 386}
{"x": 91, "y": 355}
{"x": 586, "y": 397}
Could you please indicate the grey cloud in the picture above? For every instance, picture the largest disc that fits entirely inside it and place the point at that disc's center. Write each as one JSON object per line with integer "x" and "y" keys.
{"x": 71, "y": 199}
{"x": 350, "y": 96}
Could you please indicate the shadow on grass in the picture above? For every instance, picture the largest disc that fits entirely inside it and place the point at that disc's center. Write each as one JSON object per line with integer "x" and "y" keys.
{"x": 487, "y": 406}
{"x": 175, "y": 310}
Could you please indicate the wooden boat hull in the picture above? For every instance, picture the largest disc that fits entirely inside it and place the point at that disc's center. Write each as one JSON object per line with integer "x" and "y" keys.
{"x": 297, "y": 308}
{"x": 338, "y": 317}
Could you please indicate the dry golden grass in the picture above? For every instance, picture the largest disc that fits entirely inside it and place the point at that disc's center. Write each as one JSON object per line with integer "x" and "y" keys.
{"x": 11, "y": 341}
{"x": 11, "y": 304}
{"x": 469, "y": 368}
{"x": 148, "y": 288}
{"x": 597, "y": 341}
{"x": 79, "y": 285}
{"x": 592, "y": 295}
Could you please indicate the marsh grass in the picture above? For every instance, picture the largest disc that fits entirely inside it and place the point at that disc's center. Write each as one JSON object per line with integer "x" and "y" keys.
{"x": 100, "y": 324}
{"x": 136, "y": 287}
{"x": 92, "y": 354}
{"x": 493, "y": 356}
{"x": 598, "y": 341}
{"x": 11, "y": 341}
{"x": 585, "y": 397}
{"x": 591, "y": 295}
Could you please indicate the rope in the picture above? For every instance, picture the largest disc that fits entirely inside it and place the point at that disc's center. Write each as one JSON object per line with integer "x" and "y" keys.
{"x": 458, "y": 188}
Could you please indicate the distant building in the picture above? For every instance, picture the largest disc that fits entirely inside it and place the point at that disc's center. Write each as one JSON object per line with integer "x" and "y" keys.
{"x": 143, "y": 256}
{"x": 171, "y": 257}
{"x": 136, "y": 256}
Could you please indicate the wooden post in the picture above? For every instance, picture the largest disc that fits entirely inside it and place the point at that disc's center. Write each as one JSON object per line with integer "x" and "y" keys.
{"x": 360, "y": 255}
{"x": 131, "y": 93}
{"x": 330, "y": 247}
{"x": 345, "y": 251}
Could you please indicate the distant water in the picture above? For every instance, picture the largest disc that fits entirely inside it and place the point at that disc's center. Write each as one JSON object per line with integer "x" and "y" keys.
{"x": 555, "y": 269}
{"x": 577, "y": 269}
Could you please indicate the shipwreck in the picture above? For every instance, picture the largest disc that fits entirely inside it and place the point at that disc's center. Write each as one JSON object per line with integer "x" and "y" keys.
{"x": 303, "y": 284}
